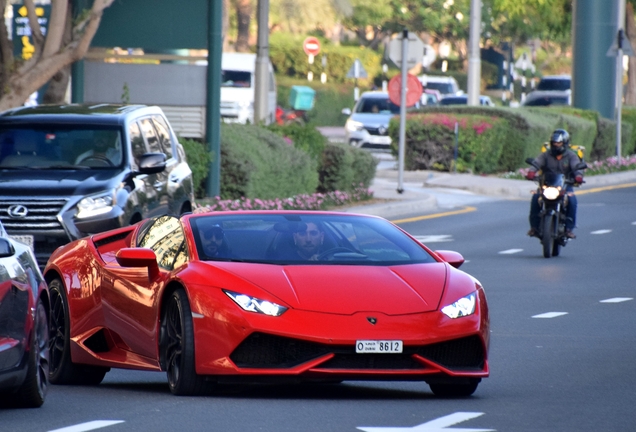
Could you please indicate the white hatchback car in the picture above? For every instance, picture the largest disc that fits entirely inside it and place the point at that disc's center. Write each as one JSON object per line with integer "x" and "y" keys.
{"x": 368, "y": 122}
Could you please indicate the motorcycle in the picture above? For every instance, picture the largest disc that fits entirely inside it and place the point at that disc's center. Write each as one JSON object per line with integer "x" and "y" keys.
{"x": 553, "y": 201}
{"x": 290, "y": 116}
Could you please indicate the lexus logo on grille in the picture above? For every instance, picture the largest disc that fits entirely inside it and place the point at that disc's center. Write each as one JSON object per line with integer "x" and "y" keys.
{"x": 17, "y": 211}
{"x": 372, "y": 320}
{"x": 382, "y": 130}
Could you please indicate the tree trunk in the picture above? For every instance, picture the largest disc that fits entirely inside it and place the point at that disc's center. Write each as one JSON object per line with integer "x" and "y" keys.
{"x": 58, "y": 84}
{"x": 630, "y": 26}
{"x": 226, "y": 24}
{"x": 243, "y": 16}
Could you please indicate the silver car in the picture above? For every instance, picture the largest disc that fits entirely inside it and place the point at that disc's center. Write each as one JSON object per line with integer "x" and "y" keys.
{"x": 368, "y": 123}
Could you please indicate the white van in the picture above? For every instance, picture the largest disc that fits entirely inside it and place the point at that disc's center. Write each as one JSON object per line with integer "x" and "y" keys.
{"x": 237, "y": 89}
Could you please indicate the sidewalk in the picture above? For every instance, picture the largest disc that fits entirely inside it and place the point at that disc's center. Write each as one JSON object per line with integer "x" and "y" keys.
{"x": 421, "y": 189}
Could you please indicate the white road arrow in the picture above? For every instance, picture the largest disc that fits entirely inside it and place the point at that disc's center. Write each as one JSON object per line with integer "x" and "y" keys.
{"x": 438, "y": 425}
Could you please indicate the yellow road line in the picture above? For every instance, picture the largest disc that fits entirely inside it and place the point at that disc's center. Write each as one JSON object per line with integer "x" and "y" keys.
{"x": 605, "y": 188}
{"x": 435, "y": 215}
{"x": 472, "y": 209}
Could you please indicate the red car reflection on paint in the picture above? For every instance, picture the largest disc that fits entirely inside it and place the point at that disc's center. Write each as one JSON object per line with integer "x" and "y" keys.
{"x": 259, "y": 296}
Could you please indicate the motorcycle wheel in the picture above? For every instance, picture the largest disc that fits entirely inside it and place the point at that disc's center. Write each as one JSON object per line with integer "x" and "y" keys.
{"x": 547, "y": 238}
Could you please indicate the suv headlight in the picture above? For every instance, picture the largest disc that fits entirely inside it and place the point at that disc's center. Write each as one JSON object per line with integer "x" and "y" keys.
{"x": 353, "y": 126}
{"x": 95, "y": 205}
{"x": 463, "y": 307}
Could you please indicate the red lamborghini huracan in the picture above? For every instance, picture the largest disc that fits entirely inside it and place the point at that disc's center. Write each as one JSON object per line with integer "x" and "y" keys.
{"x": 259, "y": 296}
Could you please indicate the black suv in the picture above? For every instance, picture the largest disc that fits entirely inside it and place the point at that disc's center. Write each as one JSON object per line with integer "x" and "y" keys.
{"x": 68, "y": 171}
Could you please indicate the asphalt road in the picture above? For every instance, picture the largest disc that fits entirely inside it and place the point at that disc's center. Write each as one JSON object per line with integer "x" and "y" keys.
{"x": 562, "y": 351}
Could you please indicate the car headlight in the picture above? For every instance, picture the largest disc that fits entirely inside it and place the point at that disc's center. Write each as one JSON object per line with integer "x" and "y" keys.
{"x": 353, "y": 125}
{"x": 95, "y": 205}
{"x": 551, "y": 193}
{"x": 463, "y": 307}
{"x": 253, "y": 304}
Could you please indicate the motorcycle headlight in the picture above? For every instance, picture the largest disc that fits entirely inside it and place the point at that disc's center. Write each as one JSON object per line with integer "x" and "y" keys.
{"x": 353, "y": 126}
{"x": 463, "y": 307}
{"x": 551, "y": 193}
{"x": 95, "y": 205}
{"x": 253, "y": 304}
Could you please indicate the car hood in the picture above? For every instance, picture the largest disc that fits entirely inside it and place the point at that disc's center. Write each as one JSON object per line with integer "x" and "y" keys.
{"x": 372, "y": 119}
{"x": 397, "y": 290}
{"x": 57, "y": 182}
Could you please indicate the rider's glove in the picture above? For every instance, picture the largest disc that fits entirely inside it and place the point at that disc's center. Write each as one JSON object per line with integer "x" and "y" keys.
{"x": 578, "y": 179}
{"x": 530, "y": 175}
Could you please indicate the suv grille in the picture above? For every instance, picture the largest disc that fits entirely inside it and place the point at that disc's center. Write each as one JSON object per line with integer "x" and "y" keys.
{"x": 41, "y": 215}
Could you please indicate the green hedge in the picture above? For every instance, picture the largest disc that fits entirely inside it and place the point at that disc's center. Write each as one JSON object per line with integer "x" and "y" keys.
{"x": 342, "y": 168}
{"x": 500, "y": 139}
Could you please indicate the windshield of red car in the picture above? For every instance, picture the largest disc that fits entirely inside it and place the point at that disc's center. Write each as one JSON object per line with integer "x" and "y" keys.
{"x": 300, "y": 238}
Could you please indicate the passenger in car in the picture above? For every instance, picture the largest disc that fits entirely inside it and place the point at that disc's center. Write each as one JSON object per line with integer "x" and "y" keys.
{"x": 105, "y": 148}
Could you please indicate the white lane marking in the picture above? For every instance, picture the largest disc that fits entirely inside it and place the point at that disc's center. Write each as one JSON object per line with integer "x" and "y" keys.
{"x": 434, "y": 238}
{"x": 550, "y": 315}
{"x": 634, "y": 223}
{"x": 616, "y": 300}
{"x": 92, "y": 425}
{"x": 437, "y": 425}
{"x": 510, "y": 251}
{"x": 605, "y": 231}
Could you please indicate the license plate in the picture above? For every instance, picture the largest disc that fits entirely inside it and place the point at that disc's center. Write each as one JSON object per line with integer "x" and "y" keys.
{"x": 26, "y": 239}
{"x": 379, "y": 346}
{"x": 379, "y": 140}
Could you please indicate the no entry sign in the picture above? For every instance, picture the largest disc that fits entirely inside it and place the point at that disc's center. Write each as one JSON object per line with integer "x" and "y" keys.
{"x": 311, "y": 46}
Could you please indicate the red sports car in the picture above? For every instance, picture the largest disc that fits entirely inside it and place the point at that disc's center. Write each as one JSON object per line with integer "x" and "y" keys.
{"x": 268, "y": 295}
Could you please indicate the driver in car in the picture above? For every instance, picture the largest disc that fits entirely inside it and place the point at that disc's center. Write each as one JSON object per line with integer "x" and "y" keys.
{"x": 308, "y": 240}
{"x": 104, "y": 149}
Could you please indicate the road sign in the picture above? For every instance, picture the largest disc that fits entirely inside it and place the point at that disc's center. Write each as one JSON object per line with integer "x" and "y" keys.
{"x": 413, "y": 90}
{"x": 311, "y": 46}
{"x": 357, "y": 70}
{"x": 415, "y": 52}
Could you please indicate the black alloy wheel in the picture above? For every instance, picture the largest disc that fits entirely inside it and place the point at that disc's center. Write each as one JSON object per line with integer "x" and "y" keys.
{"x": 34, "y": 388}
{"x": 62, "y": 370}
{"x": 177, "y": 346}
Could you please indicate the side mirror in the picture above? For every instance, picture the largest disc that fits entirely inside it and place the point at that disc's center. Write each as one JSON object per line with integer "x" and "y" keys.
{"x": 346, "y": 111}
{"x": 152, "y": 163}
{"x": 6, "y": 248}
{"x": 139, "y": 257}
{"x": 531, "y": 161}
{"x": 453, "y": 258}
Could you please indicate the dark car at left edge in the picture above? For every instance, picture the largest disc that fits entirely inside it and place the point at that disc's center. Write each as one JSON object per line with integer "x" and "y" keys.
{"x": 24, "y": 317}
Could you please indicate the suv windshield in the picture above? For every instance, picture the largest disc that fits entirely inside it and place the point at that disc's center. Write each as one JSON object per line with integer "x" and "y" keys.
{"x": 554, "y": 84}
{"x": 60, "y": 146}
{"x": 377, "y": 105}
{"x": 444, "y": 88}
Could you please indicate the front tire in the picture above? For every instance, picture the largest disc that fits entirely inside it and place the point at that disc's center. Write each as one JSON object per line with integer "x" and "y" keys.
{"x": 177, "y": 346}
{"x": 62, "y": 370}
{"x": 454, "y": 390}
{"x": 547, "y": 239}
{"x": 34, "y": 388}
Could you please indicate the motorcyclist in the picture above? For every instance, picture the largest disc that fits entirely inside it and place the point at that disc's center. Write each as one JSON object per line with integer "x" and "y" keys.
{"x": 559, "y": 159}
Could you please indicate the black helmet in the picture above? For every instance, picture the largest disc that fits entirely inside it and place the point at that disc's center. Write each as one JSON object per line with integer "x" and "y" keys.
{"x": 559, "y": 136}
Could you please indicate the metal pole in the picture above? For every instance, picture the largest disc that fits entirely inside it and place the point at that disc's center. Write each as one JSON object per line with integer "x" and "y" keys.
{"x": 213, "y": 110}
{"x": 620, "y": 23}
{"x": 474, "y": 59}
{"x": 401, "y": 144}
{"x": 261, "y": 81}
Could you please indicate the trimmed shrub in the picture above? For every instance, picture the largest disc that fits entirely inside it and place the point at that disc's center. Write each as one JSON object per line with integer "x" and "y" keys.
{"x": 364, "y": 167}
{"x": 336, "y": 168}
{"x": 199, "y": 158}
{"x": 257, "y": 163}
{"x": 304, "y": 137}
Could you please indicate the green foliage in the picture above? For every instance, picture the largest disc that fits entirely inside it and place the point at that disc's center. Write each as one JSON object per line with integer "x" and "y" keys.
{"x": 629, "y": 117}
{"x": 304, "y": 137}
{"x": 256, "y": 163}
{"x": 345, "y": 168}
{"x": 289, "y": 59}
{"x": 199, "y": 158}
